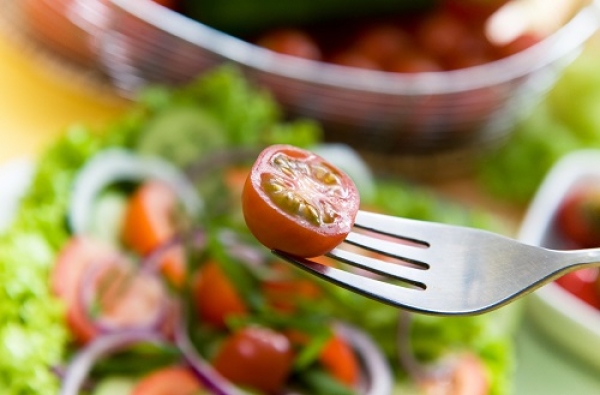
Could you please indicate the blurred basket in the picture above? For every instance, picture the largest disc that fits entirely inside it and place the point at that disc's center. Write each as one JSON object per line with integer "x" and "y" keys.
{"x": 399, "y": 121}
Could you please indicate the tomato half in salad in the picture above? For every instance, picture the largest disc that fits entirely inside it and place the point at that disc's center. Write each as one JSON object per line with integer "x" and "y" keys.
{"x": 297, "y": 202}
{"x": 151, "y": 220}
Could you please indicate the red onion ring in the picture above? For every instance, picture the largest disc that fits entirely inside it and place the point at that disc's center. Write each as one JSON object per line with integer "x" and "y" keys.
{"x": 378, "y": 375}
{"x": 80, "y": 365}
{"x": 87, "y": 294}
{"x": 208, "y": 376}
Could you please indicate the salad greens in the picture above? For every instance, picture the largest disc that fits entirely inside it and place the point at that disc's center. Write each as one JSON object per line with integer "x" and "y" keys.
{"x": 568, "y": 119}
{"x": 225, "y": 111}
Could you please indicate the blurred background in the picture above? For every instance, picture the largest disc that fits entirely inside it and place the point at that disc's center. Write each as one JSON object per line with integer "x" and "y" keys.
{"x": 476, "y": 100}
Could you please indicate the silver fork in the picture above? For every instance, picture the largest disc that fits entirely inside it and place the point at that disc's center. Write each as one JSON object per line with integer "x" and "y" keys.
{"x": 441, "y": 269}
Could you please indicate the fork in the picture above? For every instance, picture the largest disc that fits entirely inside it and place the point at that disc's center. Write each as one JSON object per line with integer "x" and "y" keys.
{"x": 440, "y": 269}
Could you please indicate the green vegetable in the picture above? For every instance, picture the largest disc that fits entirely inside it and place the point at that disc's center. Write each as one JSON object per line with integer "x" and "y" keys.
{"x": 33, "y": 336}
{"x": 114, "y": 386}
{"x": 568, "y": 119}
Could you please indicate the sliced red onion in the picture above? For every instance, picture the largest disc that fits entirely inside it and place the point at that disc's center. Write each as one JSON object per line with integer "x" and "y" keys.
{"x": 114, "y": 165}
{"x": 88, "y": 295}
{"x": 378, "y": 375}
{"x": 208, "y": 376}
{"x": 80, "y": 365}
{"x": 153, "y": 260}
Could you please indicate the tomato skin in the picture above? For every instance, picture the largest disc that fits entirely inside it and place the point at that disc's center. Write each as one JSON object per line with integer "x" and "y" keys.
{"x": 215, "y": 296}
{"x": 340, "y": 360}
{"x": 173, "y": 380}
{"x": 150, "y": 222}
{"x": 279, "y": 229}
{"x": 256, "y": 357}
{"x": 578, "y": 217}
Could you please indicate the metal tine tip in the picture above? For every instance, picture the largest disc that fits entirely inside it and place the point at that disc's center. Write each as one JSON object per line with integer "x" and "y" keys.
{"x": 409, "y": 274}
{"x": 403, "y": 228}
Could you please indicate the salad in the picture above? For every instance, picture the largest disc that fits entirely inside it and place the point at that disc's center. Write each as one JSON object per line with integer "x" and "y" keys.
{"x": 128, "y": 269}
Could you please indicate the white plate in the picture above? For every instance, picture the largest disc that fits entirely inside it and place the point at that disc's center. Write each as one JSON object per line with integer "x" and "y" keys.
{"x": 563, "y": 317}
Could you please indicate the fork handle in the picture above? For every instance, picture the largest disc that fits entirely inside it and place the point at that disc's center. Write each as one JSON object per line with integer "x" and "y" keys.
{"x": 576, "y": 259}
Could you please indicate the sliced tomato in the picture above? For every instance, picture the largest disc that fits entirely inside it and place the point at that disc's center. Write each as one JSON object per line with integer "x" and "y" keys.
{"x": 151, "y": 221}
{"x": 297, "y": 202}
{"x": 256, "y": 357}
{"x": 79, "y": 280}
{"x": 175, "y": 380}
{"x": 215, "y": 296}
{"x": 339, "y": 359}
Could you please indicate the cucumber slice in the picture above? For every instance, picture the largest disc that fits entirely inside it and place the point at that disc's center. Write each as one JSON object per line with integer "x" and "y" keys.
{"x": 181, "y": 135}
{"x": 114, "y": 386}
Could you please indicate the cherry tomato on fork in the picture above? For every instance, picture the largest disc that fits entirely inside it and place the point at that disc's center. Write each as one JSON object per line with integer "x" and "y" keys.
{"x": 297, "y": 202}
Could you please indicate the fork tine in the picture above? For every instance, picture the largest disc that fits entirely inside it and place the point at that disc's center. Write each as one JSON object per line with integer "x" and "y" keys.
{"x": 411, "y": 275}
{"x": 388, "y": 293}
{"x": 405, "y": 228}
{"x": 409, "y": 253}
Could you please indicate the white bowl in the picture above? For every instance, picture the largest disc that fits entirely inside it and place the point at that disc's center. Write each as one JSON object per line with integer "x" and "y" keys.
{"x": 564, "y": 318}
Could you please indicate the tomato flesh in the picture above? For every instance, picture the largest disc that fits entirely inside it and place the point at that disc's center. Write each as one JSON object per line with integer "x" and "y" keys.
{"x": 296, "y": 202}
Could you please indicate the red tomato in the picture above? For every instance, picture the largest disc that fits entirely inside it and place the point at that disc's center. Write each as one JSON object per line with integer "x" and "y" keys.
{"x": 256, "y": 357}
{"x": 440, "y": 34}
{"x": 215, "y": 296}
{"x": 78, "y": 272}
{"x": 291, "y": 42}
{"x": 382, "y": 42}
{"x": 173, "y": 380}
{"x": 413, "y": 62}
{"x": 340, "y": 360}
{"x": 150, "y": 221}
{"x": 356, "y": 59}
{"x": 583, "y": 284}
{"x": 578, "y": 217}
{"x": 295, "y": 201}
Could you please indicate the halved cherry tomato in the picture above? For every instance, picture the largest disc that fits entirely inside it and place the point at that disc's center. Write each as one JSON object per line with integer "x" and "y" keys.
{"x": 175, "y": 380}
{"x": 79, "y": 261}
{"x": 292, "y": 42}
{"x": 340, "y": 360}
{"x": 578, "y": 217}
{"x": 297, "y": 202}
{"x": 150, "y": 221}
{"x": 215, "y": 296}
{"x": 256, "y": 357}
